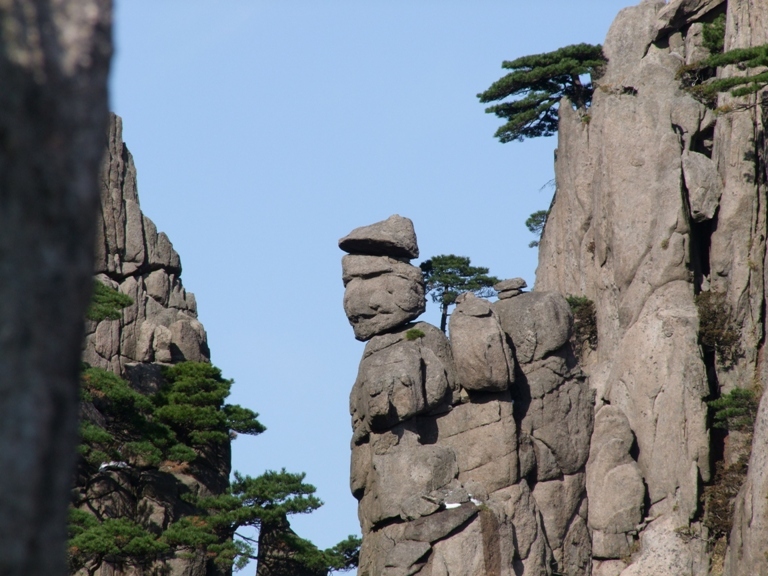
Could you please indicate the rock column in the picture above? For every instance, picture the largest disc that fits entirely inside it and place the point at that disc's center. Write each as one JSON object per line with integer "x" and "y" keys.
{"x": 454, "y": 443}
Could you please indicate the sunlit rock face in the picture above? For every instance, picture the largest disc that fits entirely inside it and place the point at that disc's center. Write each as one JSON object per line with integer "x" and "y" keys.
{"x": 465, "y": 458}
{"x": 158, "y": 329}
{"x": 381, "y": 293}
{"x": 659, "y": 198}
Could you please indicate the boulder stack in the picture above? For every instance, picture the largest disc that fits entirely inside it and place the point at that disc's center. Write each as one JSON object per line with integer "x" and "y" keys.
{"x": 383, "y": 290}
{"x": 467, "y": 456}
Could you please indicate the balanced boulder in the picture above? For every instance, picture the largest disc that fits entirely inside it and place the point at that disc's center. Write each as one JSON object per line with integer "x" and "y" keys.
{"x": 394, "y": 236}
{"x": 480, "y": 349}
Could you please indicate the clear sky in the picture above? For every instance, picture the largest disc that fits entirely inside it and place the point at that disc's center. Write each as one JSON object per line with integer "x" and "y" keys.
{"x": 263, "y": 131}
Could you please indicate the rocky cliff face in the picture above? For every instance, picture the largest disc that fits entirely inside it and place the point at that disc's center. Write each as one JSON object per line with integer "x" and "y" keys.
{"x": 159, "y": 328}
{"x": 659, "y": 200}
{"x": 501, "y": 451}
{"x": 161, "y": 325}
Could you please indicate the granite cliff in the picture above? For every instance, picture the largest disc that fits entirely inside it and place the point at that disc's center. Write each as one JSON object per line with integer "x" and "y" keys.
{"x": 158, "y": 328}
{"x": 511, "y": 447}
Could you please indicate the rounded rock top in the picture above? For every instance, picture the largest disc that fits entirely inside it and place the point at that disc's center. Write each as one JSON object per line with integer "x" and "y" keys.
{"x": 394, "y": 237}
{"x": 511, "y": 284}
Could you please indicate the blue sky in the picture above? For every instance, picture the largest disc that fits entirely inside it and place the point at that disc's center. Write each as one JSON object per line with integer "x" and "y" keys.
{"x": 263, "y": 131}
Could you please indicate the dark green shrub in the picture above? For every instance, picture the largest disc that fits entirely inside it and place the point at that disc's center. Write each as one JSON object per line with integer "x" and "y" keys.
{"x": 106, "y": 303}
{"x": 700, "y": 78}
{"x": 714, "y": 35}
{"x": 117, "y": 540}
{"x": 414, "y": 334}
{"x": 736, "y": 410}
{"x": 716, "y": 331}
{"x": 584, "y": 323}
{"x": 176, "y": 424}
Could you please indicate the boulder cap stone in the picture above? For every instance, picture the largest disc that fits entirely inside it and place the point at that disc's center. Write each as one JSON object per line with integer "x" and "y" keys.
{"x": 394, "y": 236}
{"x": 511, "y": 284}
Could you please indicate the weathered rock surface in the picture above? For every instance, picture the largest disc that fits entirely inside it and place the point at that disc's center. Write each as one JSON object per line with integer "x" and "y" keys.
{"x": 394, "y": 236}
{"x": 750, "y": 525}
{"x": 614, "y": 484}
{"x": 400, "y": 378}
{"x": 537, "y": 322}
{"x": 657, "y": 200}
{"x": 704, "y": 185}
{"x": 651, "y": 198}
{"x": 482, "y": 355}
{"x": 510, "y": 288}
{"x": 663, "y": 552}
{"x": 381, "y": 293}
{"x": 161, "y": 325}
{"x": 454, "y": 444}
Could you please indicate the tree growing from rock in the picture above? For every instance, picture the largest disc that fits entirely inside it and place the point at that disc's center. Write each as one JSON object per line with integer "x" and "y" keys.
{"x": 446, "y": 276}
{"x": 529, "y": 95}
{"x": 181, "y": 425}
{"x": 535, "y": 224}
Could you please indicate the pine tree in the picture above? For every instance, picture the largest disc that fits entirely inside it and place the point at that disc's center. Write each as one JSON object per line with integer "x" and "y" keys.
{"x": 531, "y": 93}
{"x": 535, "y": 224}
{"x": 446, "y": 276}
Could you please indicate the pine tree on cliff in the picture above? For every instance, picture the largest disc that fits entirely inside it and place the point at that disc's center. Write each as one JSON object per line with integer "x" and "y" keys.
{"x": 447, "y": 276}
{"x": 531, "y": 92}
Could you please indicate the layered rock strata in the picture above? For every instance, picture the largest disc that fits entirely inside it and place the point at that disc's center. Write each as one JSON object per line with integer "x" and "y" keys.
{"x": 468, "y": 453}
{"x": 659, "y": 199}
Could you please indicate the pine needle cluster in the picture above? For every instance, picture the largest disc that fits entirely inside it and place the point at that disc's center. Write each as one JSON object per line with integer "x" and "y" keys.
{"x": 531, "y": 92}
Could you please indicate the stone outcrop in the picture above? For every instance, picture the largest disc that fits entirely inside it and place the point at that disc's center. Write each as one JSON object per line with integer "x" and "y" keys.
{"x": 509, "y": 288}
{"x": 382, "y": 292}
{"x": 483, "y": 357}
{"x": 535, "y": 461}
{"x": 131, "y": 256}
{"x": 394, "y": 236}
{"x": 659, "y": 199}
{"x": 466, "y": 459}
{"x": 159, "y": 328}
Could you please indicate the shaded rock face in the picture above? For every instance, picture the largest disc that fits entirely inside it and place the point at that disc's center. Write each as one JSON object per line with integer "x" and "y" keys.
{"x": 468, "y": 452}
{"x": 394, "y": 236}
{"x": 159, "y": 328}
{"x": 657, "y": 200}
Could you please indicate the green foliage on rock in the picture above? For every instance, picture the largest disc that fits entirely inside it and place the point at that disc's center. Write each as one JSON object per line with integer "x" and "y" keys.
{"x": 116, "y": 540}
{"x": 700, "y": 78}
{"x": 535, "y": 224}
{"x": 446, "y": 276}
{"x": 178, "y": 423}
{"x": 531, "y": 92}
{"x": 129, "y": 433}
{"x": 736, "y": 410}
{"x": 106, "y": 303}
{"x": 192, "y": 403}
{"x": 414, "y": 334}
{"x": 716, "y": 330}
{"x": 263, "y": 502}
{"x": 584, "y": 323}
